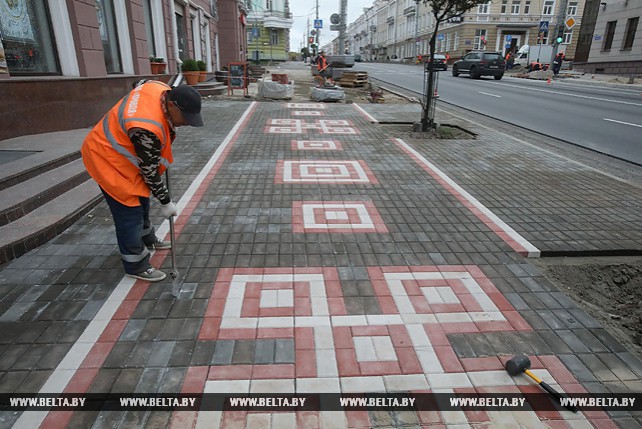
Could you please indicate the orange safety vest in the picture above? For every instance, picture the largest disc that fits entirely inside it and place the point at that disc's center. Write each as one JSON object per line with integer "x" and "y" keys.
{"x": 109, "y": 154}
{"x": 322, "y": 63}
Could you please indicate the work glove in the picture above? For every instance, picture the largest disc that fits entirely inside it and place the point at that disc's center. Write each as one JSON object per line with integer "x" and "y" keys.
{"x": 168, "y": 210}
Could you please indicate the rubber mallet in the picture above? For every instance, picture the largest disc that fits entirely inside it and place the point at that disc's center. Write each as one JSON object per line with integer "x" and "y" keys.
{"x": 521, "y": 363}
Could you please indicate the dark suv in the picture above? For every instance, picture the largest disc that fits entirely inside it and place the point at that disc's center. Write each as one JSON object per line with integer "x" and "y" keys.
{"x": 481, "y": 63}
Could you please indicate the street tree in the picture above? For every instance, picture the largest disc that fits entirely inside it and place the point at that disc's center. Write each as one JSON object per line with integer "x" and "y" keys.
{"x": 442, "y": 10}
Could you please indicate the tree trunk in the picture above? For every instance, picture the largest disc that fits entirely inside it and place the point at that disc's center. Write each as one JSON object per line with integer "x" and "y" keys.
{"x": 429, "y": 86}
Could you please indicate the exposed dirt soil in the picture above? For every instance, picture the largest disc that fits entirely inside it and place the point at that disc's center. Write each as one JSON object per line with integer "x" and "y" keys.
{"x": 609, "y": 291}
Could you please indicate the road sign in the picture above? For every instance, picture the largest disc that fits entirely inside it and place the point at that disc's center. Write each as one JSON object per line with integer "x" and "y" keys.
{"x": 543, "y": 26}
{"x": 313, "y": 32}
{"x": 318, "y": 23}
{"x": 509, "y": 38}
{"x": 336, "y": 27}
{"x": 255, "y": 32}
{"x": 569, "y": 23}
{"x": 335, "y": 18}
{"x": 440, "y": 37}
{"x": 507, "y": 46}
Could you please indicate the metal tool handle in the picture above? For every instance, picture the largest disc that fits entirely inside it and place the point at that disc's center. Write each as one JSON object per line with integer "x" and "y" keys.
{"x": 174, "y": 273}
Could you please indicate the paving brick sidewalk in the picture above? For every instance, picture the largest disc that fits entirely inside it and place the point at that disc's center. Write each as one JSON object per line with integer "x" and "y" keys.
{"x": 318, "y": 255}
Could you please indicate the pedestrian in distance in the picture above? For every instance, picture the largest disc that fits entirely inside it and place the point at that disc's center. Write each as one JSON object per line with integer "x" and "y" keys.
{"x": 509, "y": 61}
{"x": 127, "y": 152}
{"x": 557, "y": 63}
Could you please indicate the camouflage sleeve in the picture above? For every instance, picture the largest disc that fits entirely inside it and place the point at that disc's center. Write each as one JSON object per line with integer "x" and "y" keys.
{"x": 148, "y": 151}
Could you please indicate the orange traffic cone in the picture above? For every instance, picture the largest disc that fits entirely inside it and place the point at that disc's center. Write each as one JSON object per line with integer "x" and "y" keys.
{"x": 435, "y": 95}
{"x": 548, "y": 81}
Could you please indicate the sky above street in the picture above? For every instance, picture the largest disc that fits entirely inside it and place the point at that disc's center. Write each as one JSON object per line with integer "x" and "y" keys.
{"x": 304, "y": 9}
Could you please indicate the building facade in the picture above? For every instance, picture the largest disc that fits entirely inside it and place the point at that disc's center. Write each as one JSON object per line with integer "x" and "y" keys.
{"x": 610, "y": 40}
{"x": 404, "y": 27}
{"x": 268, "y": 30}
{"x": 67, "y": 61}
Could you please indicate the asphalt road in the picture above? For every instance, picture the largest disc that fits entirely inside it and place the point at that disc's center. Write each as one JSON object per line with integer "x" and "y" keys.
{"x": 595, "y": 116}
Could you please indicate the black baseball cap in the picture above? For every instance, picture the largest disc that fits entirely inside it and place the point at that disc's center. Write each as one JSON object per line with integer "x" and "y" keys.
{"x": 189, "y": 101}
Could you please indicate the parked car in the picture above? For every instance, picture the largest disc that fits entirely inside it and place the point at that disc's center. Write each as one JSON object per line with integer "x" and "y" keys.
{"x": 357, "y": 58}
{"x": 482, "y": 63}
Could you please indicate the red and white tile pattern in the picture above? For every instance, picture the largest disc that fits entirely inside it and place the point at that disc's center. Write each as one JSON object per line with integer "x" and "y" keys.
{"x": 313, "y": 171}
{"x": 299, "y": 126}
{"x": 318, "y": 106}
{"x": 403, "y": 349}
{"x": 307, "y": 113}
{"x": 316, "y": 145}
{"x": 336, "y": 217}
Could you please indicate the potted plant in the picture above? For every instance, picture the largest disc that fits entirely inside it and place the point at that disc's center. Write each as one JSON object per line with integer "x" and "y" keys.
{"x": 190, "y": 71}
{"x": 202, "y": 69}
{"x": 157, "y": 64}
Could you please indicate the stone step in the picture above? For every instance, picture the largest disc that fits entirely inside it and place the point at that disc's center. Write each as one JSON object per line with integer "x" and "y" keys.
{"x": 50, "y": 151}
{"x": 24, "y": 197}
{"x": 211, "y": 88}
{"x": 47, "y": 221}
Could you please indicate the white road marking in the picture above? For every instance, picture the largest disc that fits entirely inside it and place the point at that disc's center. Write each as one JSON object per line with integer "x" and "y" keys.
{"x": 566, "y": 94}
{"x": 492, "y": 95}
{"x": 621, "y": 122}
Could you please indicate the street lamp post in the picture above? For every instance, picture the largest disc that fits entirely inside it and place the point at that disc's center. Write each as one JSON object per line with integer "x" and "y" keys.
{"x": 417, "y": 28}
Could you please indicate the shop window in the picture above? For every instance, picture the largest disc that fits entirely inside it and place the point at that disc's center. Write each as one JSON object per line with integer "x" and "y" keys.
{"x": 610, "y": 32}
{"x": 109, "y": 35}
{"x": 149, "y": 28}
{"x": 29, "y": 45}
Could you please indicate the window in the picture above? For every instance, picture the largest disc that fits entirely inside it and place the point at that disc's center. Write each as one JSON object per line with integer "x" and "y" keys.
{"x": 629, "y": 34}
{"x": 543, "y": 38}
{"x": 456, "y": 46}
{"x": 27, "y": 38}
{"x": 527, "y": 7}
{"x": 274, "y": 37}
{"x": 268, "y": 5}
{"x": 149, "y": 28}
{"x": 483, "y": 8}
{"x": 548, "y": 7}
{"x": 504, "y": 6}
{"x": 108, "y": 35}
{"x": 514, "y": 8}
{"x": 181, "y": 34}
{"x": 572, "y": 9}
{"x": 480, "y": 40}
{"x": 610, "y": 31}
{"x": 568, "y": 36}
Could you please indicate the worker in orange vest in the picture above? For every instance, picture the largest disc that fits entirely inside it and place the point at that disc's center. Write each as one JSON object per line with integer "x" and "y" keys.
{"x": 322, "y": 64}
{"x": 127, "y": 152}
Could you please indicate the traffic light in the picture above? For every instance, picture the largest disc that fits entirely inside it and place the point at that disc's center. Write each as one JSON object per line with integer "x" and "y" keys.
{"x": 560, "y": 34}
{"x": 311, "y": 39}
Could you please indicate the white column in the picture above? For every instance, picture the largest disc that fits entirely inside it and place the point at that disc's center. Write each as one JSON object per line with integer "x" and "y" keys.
{"x": 64, "y": 38}
{"x": 122, "y": 25}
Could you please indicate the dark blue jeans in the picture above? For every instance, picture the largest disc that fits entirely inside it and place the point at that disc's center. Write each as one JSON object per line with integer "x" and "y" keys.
{"x": 133, "y": 232}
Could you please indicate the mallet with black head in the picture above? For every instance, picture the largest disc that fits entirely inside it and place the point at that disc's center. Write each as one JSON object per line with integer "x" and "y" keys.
{"x": 519, "y": 364}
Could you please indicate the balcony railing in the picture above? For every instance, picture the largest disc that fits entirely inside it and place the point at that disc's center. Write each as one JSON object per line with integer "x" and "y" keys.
{"x": 410, "y": 10}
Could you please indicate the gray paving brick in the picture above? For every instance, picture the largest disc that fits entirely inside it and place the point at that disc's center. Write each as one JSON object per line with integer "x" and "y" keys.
{"x": 572, "y": 341}
{"x": 203, "y": 353}
{"x": 243, "y": 352}
{"x": 223, "y": 352}
{"x": 533, "y": 318}
{"x": 11, "y": 380}
{"x": 30, "y": 331}
{"x": 264, "y": 351}
{"x": 499, "y": 345}
{"x": 53, "y": 357}
{"x": 158, "y": 419}
{"x": 140, "y": 354}
{"x": 182, "y": 353}
{"x": 516, "y": 300}
{"x": 190, "y": 329}
{"x": 517, "y": 343}
{"x": 127, "y": 380}
{"x": 161, "y": 354}
{"x": 479, "y": 345}
{"x": 554, "y": 342}
{"x": 597, "y": 367}
{"x": 460, "y": 346}
{"x": 119, "y": 354}
{"x": 590, "y": 340}
{"x": 33, "y": 381}
{"x": 632, "y": 361}
{"x": 607, "y": 339}
{"x": 551, "y": 319}
{"x": 104, "y": 380}
{"x": 172, "y": 380}
{"x": 152, "y": 330}
{"x": 579, "y": 370}
{"x": 583, "y": 318}
{"x": 132, "y": 330}
{"x": 617, "y": 366}
{"x": 284, "y": 351}
{"x": 171, "y": 329}
{"x": 536, "y": 342}
{"x": 150, "y": 381}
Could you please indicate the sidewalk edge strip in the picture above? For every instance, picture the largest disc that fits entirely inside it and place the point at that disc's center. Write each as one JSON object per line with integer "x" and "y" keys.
{"x": 67, "y": 368}
{"x": 508, "y": 234}
{"x": 367, "y": 115}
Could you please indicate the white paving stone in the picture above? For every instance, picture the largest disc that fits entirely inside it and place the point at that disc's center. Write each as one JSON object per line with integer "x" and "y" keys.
{"x": 327, "y": 363}
{"x": 268, "y": 298}
{"x": 362, "y": 384}
{"x": 364, "y": 349}
{"x": 449, "y": 380}
{"x": 428, "y": 360}
{"x": 227, "y": 386}
{"x": 383, "y": 348}
{"x": 318, "y": 385}
{"x": 284, "y": 420}
{"x": 490, "y": 378}
{"x": 272, "y": 386}
{"x": 405, "y": 382}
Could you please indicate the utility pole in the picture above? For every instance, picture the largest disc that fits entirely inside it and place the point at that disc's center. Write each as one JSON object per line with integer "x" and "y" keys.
{"x": 559, "y": 27}
{"x": 342, "y": 30}
{"x": 318, "y": 30}
{"x": 307, "y": 35}
{"x": 417, "y": 28}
